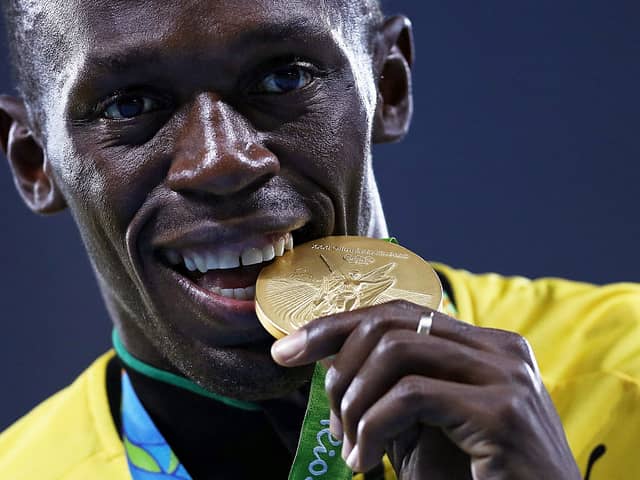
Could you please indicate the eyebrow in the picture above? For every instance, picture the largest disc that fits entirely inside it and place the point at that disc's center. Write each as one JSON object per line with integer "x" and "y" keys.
{"x": 295, "y": 28}
{"x": 292, "y": 27}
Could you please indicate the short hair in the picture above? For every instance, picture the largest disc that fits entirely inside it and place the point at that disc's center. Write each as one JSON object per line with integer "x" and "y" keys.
{"x": 24, "y": 32}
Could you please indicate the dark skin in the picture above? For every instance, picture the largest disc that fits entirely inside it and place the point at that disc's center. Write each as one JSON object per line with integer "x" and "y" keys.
{"x": 175, "y": 124}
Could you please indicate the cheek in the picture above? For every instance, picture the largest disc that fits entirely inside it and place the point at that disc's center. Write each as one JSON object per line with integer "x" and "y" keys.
{"x": 105, "y": 187}
{"x": 111, "y": 183}
{"x": 330, "y": 145}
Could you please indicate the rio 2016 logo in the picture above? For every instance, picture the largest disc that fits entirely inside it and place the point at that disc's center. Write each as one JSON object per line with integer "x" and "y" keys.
{"x": 319, "y": 466}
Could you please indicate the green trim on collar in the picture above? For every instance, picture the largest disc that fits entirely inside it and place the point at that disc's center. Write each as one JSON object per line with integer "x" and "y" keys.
{"x": 173, "y": 379}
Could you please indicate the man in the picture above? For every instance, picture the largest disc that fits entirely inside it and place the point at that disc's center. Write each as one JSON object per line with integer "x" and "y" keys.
{"x": 193, "y": 141}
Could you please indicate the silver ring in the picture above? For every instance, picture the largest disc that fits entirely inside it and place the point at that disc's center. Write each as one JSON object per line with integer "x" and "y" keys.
{"x": 425, "y": 323}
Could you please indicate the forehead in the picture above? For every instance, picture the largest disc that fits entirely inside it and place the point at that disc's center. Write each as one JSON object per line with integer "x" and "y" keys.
{"x": 98, "y": 27}
{"x": 126, "y": 19}
{"x": 105, "y": 36}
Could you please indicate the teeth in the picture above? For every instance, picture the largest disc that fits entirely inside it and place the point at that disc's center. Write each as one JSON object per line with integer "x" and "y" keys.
{"x": 248, "y": 293}
{"x": 229, "y": 260}
{"x": 268, "y": 253}
{"x": 227, "y": 292}
{"x": 191, "y": 266}
{"x": 239, "y": 293}
{"x": 212, "y": 262}
{"x": 201, "y": 262}
{"x": 204, "y": 261}
{"x": 279, "y": 247}
{"x": 252, "y": 256}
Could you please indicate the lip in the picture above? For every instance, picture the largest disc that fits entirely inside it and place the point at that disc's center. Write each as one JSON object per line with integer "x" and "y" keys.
{"x": 210, "y": 233}
{"x": 205, "y": 296}
{"x": 215, "y": 319}
{"x": 207, "y": 318}
{"x": 237, "y": 317}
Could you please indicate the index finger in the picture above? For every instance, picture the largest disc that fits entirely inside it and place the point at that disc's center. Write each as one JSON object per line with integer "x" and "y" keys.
{"x": 323, "y": 337}
{"x": 317, "y": 340}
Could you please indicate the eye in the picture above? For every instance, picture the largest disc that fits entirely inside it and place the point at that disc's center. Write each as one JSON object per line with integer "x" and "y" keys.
{"x": 130, "y": 106}
{"x": 285, "y": 80}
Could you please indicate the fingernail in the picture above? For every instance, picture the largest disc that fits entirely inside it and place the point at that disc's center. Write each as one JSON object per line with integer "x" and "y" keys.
{"x": 335, "y": 426}
{"x": 346, "y": 448}
{"x": 290, "y": 346}
{"x": 352, "y": 460}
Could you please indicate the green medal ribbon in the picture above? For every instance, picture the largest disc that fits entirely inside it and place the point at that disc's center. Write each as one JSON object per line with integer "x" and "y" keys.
{"x": 173, "y": 379}
{"x": 319, "y": 454}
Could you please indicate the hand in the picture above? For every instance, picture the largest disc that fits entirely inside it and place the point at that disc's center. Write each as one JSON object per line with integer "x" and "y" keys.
{"x": 462, "y": 402}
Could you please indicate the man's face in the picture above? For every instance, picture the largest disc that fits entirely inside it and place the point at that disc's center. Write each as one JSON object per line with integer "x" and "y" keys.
{"x": 202, "y": 134}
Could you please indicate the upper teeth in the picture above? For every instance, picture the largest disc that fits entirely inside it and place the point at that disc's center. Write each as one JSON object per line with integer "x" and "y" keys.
{"x": 204, "y": 260}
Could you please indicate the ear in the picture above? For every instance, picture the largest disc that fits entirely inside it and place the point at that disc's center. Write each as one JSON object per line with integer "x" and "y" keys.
{"x": 27, "y": 158}
{"x": 394, "y": 59}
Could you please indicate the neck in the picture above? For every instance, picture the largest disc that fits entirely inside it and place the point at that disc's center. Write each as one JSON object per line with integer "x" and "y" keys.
{"x": 210, "y": 435}
{"x": 164, "y": 376}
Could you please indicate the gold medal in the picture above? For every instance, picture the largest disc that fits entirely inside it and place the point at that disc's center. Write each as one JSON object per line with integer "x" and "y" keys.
{"x": 339, "y": 274}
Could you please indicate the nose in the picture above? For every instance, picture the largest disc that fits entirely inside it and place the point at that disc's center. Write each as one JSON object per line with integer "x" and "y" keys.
{"x": 218, "y": 152}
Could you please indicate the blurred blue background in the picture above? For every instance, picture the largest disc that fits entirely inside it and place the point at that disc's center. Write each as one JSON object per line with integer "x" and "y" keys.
{"x": 524, "y": 158}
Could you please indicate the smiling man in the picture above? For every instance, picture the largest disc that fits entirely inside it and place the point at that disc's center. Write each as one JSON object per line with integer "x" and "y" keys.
{"x": 193, "y": 143}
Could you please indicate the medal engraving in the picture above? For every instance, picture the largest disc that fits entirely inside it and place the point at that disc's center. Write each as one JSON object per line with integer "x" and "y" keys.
{"x": 339, "y": 274}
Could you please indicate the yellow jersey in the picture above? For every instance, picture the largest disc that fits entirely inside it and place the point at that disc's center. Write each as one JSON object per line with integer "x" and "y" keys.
{"x": 586, "y": 339}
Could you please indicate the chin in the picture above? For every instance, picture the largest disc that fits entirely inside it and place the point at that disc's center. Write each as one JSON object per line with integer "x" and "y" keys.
{"x": 245, "y": 373}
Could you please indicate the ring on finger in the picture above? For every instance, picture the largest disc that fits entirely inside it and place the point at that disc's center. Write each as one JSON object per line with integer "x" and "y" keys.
{"x": 425, "y": 323}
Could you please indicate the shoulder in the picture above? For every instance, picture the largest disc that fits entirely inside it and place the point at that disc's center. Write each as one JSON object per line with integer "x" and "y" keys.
{"x": 575, "y": 328}
{"x": 480, "y": 293}
{"x": 66, "y": 435}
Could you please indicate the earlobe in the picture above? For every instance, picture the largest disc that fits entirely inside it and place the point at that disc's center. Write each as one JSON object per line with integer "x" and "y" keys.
{"x": 27, "y": 159}
{"x": 394, "y": 59}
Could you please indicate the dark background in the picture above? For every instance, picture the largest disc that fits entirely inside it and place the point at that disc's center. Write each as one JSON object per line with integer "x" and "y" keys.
{"x": 523, "y": 159}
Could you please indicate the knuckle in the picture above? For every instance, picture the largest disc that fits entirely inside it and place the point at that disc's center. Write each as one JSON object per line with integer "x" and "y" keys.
{"x": 334, "y": 385}
{"x": 401, "y": 305}
{"x": 347, "y": 410}
{"x": 517, "y": 345}
{"x": 464, "y": 329}
{"x": 401, "y": 302}
{"x": 521, "y": 373}
{"x": 510, "y": 408}
{"x": 391, "y": 345}
{"x": 363, "y": 428}
{"x": 409, "y": 390}
{"x": 375, "y": 324}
